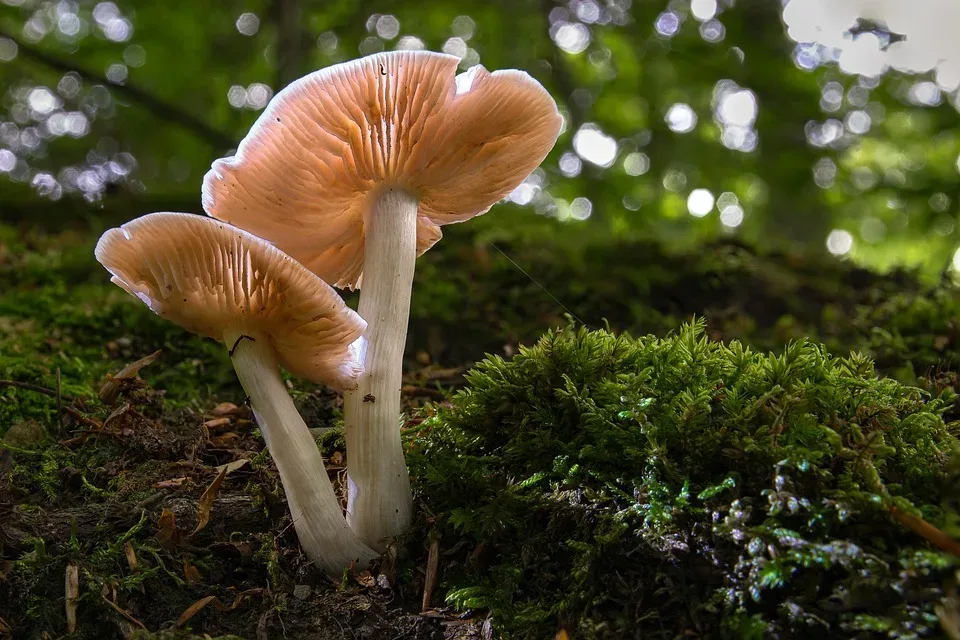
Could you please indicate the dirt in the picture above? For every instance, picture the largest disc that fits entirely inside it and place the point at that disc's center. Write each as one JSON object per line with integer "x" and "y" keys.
{"x": 119, "y": 494}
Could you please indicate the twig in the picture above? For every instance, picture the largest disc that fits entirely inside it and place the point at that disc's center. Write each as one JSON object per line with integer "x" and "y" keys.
{"x": 71, "y": 588}
{"x": 284, "y": 530}
{"x": 82, "y": 418}
{"x": 126, "y": 615}
{"x": 923, "y": 528}
{"x": 433, "y": 563}
{"x": 411, "y": 390}
{"x": 53, "y": 394}
{"x": 91, "y": 433}
{"x": 28, "y": 386}
{"x": 148, "y": 501}
{"x": 59, "y": 404}
{"x": 159, "y": 108}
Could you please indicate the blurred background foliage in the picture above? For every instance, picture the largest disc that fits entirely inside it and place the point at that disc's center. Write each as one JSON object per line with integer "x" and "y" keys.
{"x": 820, "y": 125}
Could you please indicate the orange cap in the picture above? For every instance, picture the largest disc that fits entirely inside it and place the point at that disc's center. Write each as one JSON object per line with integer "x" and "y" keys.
{"x": 305, "y": 173}
{"x": 214, "y": 279}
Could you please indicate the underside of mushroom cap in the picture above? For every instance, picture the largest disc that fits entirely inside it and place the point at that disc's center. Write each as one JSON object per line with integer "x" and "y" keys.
{"x": 216, "y": 280}
{"x": 306, "y": 172}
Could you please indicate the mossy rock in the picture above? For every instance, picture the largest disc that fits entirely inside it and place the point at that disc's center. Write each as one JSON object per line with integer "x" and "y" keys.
{"x": 665, "y": 487}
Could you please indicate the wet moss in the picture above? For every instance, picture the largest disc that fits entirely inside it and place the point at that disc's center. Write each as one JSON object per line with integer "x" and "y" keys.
{"x": 645, "y": 510}
{"x": 62, "y": 313}
{"x": 661, "y": 487}
{"x": 481, "y": 291}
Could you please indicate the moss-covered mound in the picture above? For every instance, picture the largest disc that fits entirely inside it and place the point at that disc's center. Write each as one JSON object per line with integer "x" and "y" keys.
{"x": 482, "y": 289}
{"x": 477, "y": 292}
{"x": 660, "y": 488}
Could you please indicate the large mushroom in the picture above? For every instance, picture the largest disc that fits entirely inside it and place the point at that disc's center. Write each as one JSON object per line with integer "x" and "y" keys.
{"x": 352, "y": 170}
{"x": 221, "y": 282}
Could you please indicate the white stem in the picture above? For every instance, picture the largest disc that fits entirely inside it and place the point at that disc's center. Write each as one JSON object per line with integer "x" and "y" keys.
{"x": 379, "y": 503}
{"x": 317, "y": 519}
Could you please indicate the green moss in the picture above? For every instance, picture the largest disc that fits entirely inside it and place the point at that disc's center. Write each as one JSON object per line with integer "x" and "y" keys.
{"x": 63, "y": 313}
{"x": 762, "y": 298}
{"x": 661, "y": 487}
{"x": 537, "y": 490}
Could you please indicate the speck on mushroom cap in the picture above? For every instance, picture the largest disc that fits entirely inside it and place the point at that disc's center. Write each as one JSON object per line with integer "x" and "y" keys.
{"x": 214, "y": 279}
{"x": 304, "y": 175}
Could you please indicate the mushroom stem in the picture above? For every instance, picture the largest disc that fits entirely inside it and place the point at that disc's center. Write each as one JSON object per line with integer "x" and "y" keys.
{"x": 379, "y": 503}
{"x": 317, "y": 519}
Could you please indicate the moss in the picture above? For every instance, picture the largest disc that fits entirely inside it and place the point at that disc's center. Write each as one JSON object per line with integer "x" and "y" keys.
{"x": 98, "y": 499}
{"x": 520, "y": 282}
{"x": 662, "y": 487}
{"x": 62, "y": 313}
{"x": 578, "y": 516}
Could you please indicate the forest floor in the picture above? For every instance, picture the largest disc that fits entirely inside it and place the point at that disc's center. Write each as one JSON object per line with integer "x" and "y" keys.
{"x": 175, "y": 519}
{"x": 143, "y": 504}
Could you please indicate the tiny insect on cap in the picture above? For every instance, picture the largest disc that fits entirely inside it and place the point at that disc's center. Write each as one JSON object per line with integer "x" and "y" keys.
{"x": 212, "y": 279}
{"x": 305, "y": 174}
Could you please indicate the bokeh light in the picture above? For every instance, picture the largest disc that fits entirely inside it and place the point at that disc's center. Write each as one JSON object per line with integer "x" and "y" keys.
{"x": 594, "y": 146}
{"x": 839, "y": 242}
{"x": 681, "y": 118}
{"x": 248, "y": 24}
{"x": 700, "y": 202}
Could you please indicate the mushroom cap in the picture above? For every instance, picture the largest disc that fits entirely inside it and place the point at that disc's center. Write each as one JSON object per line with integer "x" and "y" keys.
{"x": 216, "y": 280}
{"x": 304, "y": 175}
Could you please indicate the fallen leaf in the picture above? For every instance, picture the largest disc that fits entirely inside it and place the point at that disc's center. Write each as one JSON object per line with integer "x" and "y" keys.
{"x": 433, "y": 562}
{"x": 190, "y": 572}
{"x": 111, "y": 388}
{"x": 206, "y": 501}
{"x": 216, "y": 423}
{"x": 366, "y": 579}
{"x": 228, "y": 409}
{"x": 117, "y": 413}
{"x": 167, "y": 533}
{"x": 71, "y": 586}
{"x": 923, "y": 528}
{"x": 388, "y": 564}
{"x": 123, "y": 613}
{"x": 226, "y": 441}
{"x": 230, "y": 467}
{"x": 193, "y": 610}
{"x": 131, "y": 556}
{"x": 172, "y": 483}
{"x": 224, "y": 409}
{"x": 198, "y": 606}
{"x": 949, "y": 613}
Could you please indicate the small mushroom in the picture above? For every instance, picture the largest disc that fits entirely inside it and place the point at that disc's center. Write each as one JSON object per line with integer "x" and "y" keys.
{"x": 221, "y": 282}
{"x": 352, "y": 170}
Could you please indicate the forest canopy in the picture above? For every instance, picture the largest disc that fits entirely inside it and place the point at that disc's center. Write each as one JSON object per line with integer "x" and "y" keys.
{"x": 827, "y": 126}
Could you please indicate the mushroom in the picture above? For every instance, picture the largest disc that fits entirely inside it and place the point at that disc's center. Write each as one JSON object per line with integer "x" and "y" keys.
{"x": 221, "y": 282}
{"x": 352, "y": 170}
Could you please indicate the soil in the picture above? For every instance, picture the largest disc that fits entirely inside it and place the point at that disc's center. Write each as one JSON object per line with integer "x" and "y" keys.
{"x": 135, "y": 474}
